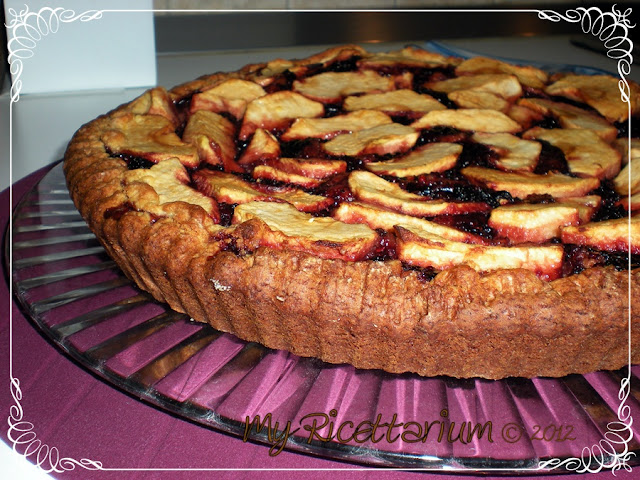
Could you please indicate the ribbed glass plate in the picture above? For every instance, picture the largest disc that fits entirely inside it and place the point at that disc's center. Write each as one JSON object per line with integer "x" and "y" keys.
{"x": 79, "y": 298}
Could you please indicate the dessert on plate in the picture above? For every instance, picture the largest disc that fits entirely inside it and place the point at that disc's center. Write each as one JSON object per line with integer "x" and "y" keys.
{"x": 403, "y": 211}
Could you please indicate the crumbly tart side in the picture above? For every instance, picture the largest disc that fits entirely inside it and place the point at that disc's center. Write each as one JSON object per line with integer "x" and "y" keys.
{"x": 331, "y": 299}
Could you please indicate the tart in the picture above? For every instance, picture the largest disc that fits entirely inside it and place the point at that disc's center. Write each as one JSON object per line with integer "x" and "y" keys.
{"x": 403, "y": 211}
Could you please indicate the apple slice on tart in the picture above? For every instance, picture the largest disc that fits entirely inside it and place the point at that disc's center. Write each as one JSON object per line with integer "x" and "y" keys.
{"x": 151, "y": 137}
{"x": 471, "y": 119}
{"x": 231, "y": 189}
{"x": 523, "y": 184}
{"x": 514, "y": 154}
{"x": 434, "y": 157}
{"x": 586, "y": 153}
{"x": 395, "y": 102}
{"x": 381, "y": 140}
{"x": 370, "y": 188}
{"x": 212, "y": 135}
{"x": 230, "y": 96}
{"x": 417, "y": 246}
{"x": 326, "y": 128}
{"x": 620, "y": 234}
{"x": 286, "y": 227}
{"x": 380, "y": 218}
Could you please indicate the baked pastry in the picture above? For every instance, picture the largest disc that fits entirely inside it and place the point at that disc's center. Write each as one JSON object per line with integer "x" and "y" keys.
{"x": 402, "y": 211}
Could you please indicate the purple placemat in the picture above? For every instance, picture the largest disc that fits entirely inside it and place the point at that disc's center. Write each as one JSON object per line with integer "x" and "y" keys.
{"x": 79, "y": 416}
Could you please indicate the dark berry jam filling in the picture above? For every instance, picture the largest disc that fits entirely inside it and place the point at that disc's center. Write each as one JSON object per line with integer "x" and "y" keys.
{"x": 475, "y": 223}
{"x": 333, "y": 109}
{"x": 282, "y": 81}
{"x": 133, "y": 162}
{"x": 609, "y": 209}
{"x": 476, "y": 155}
{"x": 623, "y": 128}
{"x": 226, "y": 213}
{"x": 116, "y": 213}
{"x": 305, "y": 148}
{"x": 579, "y": 258}
{"x": 425, "y": 274}
{"x": 405, "y": 118}
{"x": 386, "y": 248}
{"x": 452, "y": 186}
{"x": 336, "y": 188}
{"x": 347, "y": 65}
{"x": 547, "y": 122}
{"x": 421, "y": 76}
{"x": 532, "y": 92}
{"x": 184, "y": 104}
{"x": 622, "y": 260}
{"x": 229, "y": 243}
{"x": 539, "y": 198}
{"x": 574, "y": 103}
{"x": 440, "y": 134}
{"x": 551, "y": 159}
{"x": 440, "y": 96}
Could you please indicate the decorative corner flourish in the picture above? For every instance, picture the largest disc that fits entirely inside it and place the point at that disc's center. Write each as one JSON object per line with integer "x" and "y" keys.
{"x": 25, "y": 29}
{"x": 20, "y": 433}
{"x": 605, "y": 454}
{"x": 612, "y": 28}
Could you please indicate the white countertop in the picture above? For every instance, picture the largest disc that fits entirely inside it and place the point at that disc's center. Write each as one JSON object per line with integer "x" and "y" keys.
{"x": 43, "y": 124}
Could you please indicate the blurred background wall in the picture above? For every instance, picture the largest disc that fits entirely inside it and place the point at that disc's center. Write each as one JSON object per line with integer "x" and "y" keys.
{"x": 352, "y": 4}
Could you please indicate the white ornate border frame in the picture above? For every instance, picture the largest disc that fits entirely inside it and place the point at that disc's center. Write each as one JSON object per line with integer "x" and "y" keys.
{"x": 612, "y": 28}
{"x": 29, "y": 28}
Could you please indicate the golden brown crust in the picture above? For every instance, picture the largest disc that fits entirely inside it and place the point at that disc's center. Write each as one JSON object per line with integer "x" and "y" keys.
{"x": 373, "y": 315}
{"x": 370, "y": 314}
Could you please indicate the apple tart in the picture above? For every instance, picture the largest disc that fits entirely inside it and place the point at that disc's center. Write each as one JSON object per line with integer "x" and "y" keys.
{"x": 403, "y": 211}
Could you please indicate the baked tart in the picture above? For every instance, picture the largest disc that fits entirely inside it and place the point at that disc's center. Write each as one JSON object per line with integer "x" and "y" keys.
{"x": 403, "y": 211}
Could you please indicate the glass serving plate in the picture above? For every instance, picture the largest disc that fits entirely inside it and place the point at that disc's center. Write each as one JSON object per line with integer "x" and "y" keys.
{"x": 78, "y": 297}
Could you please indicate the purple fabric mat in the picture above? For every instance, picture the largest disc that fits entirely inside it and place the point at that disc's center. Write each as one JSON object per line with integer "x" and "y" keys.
{"x": 81, "y": 417}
